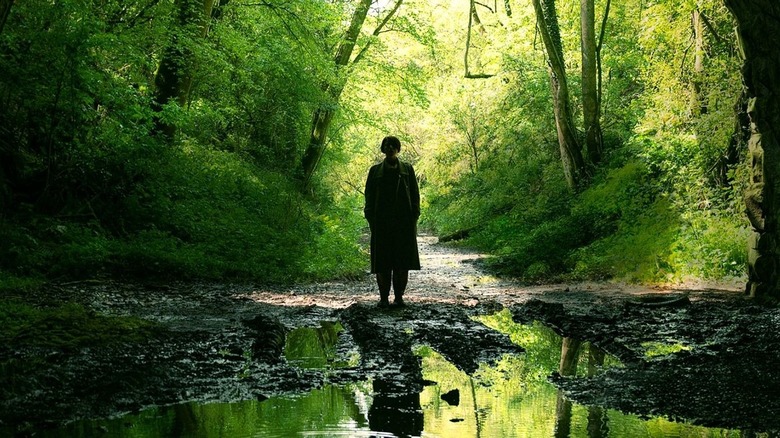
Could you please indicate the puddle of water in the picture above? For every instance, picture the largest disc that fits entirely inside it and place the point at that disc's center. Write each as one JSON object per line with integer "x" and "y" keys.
{"x": 327, "y": 412}
{"x": 308, "y": 347}
{"x": 510, "y": 399}
{"x": 655, "y": 349}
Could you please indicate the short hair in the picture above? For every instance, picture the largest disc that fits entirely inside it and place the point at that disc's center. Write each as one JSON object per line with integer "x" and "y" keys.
{"x": 390, "y": 141}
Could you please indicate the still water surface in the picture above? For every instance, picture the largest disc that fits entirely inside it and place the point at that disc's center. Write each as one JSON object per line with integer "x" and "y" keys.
{"x": 509, "y": 399}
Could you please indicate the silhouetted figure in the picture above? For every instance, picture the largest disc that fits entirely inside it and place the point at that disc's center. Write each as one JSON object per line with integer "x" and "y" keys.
{"x": 392, "y": 207}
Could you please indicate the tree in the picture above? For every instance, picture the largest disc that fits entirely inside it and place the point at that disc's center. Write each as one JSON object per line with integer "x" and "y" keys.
{"x": 590, "y": 81}
{"x": 5, "y": 9}
{"x": 698, "y": 60}
{"x": 571, "y": 155}
{"x": 759, "y": 32}
{"x": 473, "y": 20}
{"x": 323, "y": 116}
{"x": 173, "y": 80}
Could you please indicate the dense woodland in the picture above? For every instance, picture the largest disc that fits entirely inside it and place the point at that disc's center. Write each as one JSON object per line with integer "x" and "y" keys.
{"x": 229, "y": 140}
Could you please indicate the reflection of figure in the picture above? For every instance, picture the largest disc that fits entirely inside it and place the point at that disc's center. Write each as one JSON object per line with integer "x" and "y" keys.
{"x": 392, "y": 208}
{"x": 395, "y": 410}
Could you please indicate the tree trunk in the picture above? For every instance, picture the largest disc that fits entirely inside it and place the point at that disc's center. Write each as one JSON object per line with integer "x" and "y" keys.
{"x": 590, "y": 101}
{"x": 570, "y": 354}
{"x": 174, "y": 76}
{"x": 597, "y": 419}
{"x": 759, "y": 32}
{"x": 563, "y": 408}
{"x": 699, "y": 105}
{"x": 737, "y": 143}
{"x": 571, "y": 156}
{"x": 5, "y": 9}
{"x": 473, "y": 21}
{"x": 323, "y": 116}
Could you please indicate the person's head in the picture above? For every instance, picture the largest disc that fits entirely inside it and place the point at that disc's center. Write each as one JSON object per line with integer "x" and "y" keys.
{"x": 390, "y": 142}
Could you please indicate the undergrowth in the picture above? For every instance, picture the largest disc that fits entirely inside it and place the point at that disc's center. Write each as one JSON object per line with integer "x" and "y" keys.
{"x": 194, "y": 214}
{"x": 67, "y": 327}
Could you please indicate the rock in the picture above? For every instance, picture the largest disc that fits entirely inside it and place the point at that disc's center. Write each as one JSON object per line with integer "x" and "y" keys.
{"x": 452, "y": 397}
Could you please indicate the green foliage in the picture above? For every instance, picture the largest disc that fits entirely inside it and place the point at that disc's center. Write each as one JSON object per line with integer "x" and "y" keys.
{"x": 42, "y": 247}
{"x": 664, "y": 204}
{"x": 542, "y": 348}
{"x": 87, "y": 189}
{"x": 336, "y": 250}
{"x": 69, "y": 326}
{"x": 308, "y": 347}
{"x": 656, "y": 349}
{"x": 639, "y": 251}
{"x": 215, "y": 214}
{"x": 11, "y": 284}
{"x": 710, "y": 245}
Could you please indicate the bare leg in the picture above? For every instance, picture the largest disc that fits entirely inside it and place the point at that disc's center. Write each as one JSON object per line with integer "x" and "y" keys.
{"x": 383, "y": 281}
{"x": 400, "y": 279}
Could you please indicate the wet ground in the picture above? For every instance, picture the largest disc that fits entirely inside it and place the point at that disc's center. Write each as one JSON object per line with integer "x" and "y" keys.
{"x": 702, "y": 355}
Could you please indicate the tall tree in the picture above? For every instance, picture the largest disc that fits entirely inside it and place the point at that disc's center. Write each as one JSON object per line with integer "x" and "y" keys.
{"x": 699, "y": 104}
{"x": 173, "y": 80}
{"x": 571, "y": 155}
{"x": 5, "y": 9}
{"x": 343, "y": 60}
{"x": 590, "y": 97}
{"x": 758, "y": 23}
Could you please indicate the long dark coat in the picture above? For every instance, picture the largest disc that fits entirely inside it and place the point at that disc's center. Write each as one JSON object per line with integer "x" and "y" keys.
{"x": 392, "y": 209}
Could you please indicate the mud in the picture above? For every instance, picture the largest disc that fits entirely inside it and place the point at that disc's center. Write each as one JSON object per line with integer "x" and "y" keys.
{"x": 225, "y": 343}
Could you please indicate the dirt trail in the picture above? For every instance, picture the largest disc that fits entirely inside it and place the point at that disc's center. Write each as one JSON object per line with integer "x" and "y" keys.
{"x": 451, "y": 275}
{"x": 225, "y": 343}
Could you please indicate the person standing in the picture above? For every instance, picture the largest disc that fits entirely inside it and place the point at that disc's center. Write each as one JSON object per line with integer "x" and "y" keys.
{"x": 392, "y": 207}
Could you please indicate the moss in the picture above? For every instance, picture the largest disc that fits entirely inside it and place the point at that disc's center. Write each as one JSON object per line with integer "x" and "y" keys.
{"x": 69, "y": 326}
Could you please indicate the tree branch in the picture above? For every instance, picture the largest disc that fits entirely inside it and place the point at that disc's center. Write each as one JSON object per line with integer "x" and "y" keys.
{"x": 378, "y": 30}
{"x": 711, "y": 28}
{"x": 485, "y": 6}
{"x": 473, "y": 17}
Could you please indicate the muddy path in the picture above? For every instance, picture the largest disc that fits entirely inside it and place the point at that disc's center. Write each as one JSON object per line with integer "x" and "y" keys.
{"x": 705, "y": 354}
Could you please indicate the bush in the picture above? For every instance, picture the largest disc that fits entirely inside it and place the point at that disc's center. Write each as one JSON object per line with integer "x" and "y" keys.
{"x": 638, "y": 251}
{"x": 195, "y": 213}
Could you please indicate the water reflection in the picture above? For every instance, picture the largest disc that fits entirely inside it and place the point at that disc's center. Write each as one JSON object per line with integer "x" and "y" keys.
{"x": 597, "y": 422}
{"x": 395, "y": 410}
{"x": 513, "y": 398}
{"x": 309, "y": 347}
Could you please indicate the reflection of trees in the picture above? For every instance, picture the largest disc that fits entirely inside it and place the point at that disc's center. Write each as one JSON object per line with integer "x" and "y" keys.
{"x": 185, "y": 420}
{"x": 597, "y": 420}
{"x": 312, "y": 347}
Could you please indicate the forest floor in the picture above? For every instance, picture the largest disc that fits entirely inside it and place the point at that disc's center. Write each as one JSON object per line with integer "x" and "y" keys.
{"x": 226, "y": 343}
